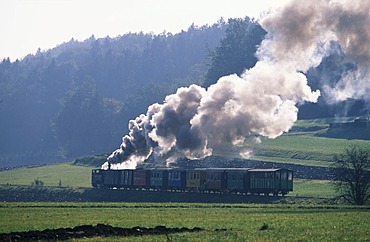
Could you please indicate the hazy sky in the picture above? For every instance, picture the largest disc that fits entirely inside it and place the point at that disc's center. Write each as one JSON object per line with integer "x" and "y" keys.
{"x": 26, "y": 25}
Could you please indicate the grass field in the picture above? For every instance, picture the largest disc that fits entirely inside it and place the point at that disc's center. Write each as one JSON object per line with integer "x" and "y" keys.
{"x": 313, "y": 188}
{"x": 301, "y": 146}
{"x": 68, "y": 174}
{"x": 285, "y": 222}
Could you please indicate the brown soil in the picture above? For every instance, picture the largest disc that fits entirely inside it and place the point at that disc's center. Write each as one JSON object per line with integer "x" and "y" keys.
{"x": 90, "y": 231}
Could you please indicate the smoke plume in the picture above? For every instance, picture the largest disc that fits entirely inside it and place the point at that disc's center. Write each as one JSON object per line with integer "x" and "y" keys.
{"x": 194, "y": 122}
{"x": 304, "y": 31}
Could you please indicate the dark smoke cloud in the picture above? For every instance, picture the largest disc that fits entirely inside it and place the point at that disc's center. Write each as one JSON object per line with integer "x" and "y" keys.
{"x": 195, "y": 122}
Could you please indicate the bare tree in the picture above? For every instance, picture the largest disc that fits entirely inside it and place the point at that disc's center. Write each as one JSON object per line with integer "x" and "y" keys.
{"x": 352, "y": 178}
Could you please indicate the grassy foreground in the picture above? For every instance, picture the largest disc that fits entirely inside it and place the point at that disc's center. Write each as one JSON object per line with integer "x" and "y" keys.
{"x": 285, "y": 222}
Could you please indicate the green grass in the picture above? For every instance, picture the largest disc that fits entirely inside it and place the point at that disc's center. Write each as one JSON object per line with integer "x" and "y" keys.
{"x": 312, "y": 123}
{"x": 69, "y": 175}
{"x": 305, "y": 144}
{"x": 313, "y": 188}
{"x": 285, "y": 222}
{"x": 301, "y": 148}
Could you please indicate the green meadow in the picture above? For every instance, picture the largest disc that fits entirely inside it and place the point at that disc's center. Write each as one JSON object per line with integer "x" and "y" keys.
{"x": 303, "y": 149}
{"x": 305, "y": 144}
{"x": 65, "y": 174}
{"x": 242, "y": 222}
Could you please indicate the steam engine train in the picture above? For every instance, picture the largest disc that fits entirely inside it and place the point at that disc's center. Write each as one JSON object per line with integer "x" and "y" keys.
{"x": 223, "y": 180}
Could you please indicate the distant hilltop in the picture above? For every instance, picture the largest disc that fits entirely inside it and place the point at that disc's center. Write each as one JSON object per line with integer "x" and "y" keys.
{"x": 355, "y": 129}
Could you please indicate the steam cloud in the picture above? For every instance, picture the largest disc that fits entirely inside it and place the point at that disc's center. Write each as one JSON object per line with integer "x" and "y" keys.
{"x": 194, "y": 121}
{"x": 303, "y": 30}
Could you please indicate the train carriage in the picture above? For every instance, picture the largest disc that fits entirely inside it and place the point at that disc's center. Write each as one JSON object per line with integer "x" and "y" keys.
{"x": 112, "y": 178}
{"x": 141, "y": 178}
{"x": 195, "y": 179}
{"x": 158, "y": 178}
{"x": 176, "y": 179}
{"x": 237, "y": 179}
{"x": 215, "y": 179}
{"x": 97, "y": 178}
{"x": 268, "y": 181}
{"x": 126, "y": 178}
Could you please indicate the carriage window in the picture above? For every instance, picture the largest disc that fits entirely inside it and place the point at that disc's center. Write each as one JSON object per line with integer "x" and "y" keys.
{"x": 283, "y": 175}
{"x": 290, "y": 176}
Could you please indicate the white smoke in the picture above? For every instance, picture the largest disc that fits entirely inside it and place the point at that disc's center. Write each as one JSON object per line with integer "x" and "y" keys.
{"x": 302, "y": 30}
{"x": 195, "y": 122}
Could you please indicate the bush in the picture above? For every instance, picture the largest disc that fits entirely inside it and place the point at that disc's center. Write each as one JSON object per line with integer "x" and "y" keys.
{"x": 38, "y": 183}
{"x": 96, "y": 160}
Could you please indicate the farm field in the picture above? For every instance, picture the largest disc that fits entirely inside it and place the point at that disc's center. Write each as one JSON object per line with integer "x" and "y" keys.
{"x": 302, "y": 148}
{"x": 241, "y": 222}
{"x": 67, "y": 174}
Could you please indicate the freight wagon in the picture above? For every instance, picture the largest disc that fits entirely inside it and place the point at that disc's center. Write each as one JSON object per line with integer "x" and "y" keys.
{"x": 222, "y": 180}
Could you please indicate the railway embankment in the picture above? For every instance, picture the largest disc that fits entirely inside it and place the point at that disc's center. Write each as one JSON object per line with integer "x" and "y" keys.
{"x": 9, "y": 193}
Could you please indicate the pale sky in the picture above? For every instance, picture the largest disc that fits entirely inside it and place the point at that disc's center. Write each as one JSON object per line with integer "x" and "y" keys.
{"x": 26, "y": 25}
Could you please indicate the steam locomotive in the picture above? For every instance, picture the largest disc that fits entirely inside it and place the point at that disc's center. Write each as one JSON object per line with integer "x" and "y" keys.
{"x": 221, "y": 180}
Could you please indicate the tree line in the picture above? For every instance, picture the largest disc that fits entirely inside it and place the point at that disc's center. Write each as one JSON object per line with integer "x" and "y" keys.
{"x": 76, "y": 99}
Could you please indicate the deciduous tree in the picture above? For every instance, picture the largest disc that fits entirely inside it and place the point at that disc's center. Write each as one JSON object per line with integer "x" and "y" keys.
{"x": 352, "y": 176}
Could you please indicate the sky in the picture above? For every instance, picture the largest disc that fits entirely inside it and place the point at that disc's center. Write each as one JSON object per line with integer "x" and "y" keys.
{"x": 26, "y": 25}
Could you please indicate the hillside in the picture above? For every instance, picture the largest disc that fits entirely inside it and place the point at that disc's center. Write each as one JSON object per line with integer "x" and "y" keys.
{"x": 310, "y": 142}
{"x": 77, "y": 98}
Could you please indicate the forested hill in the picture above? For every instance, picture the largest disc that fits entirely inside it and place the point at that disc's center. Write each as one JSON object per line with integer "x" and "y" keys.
{"x": 76, "y": 99}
